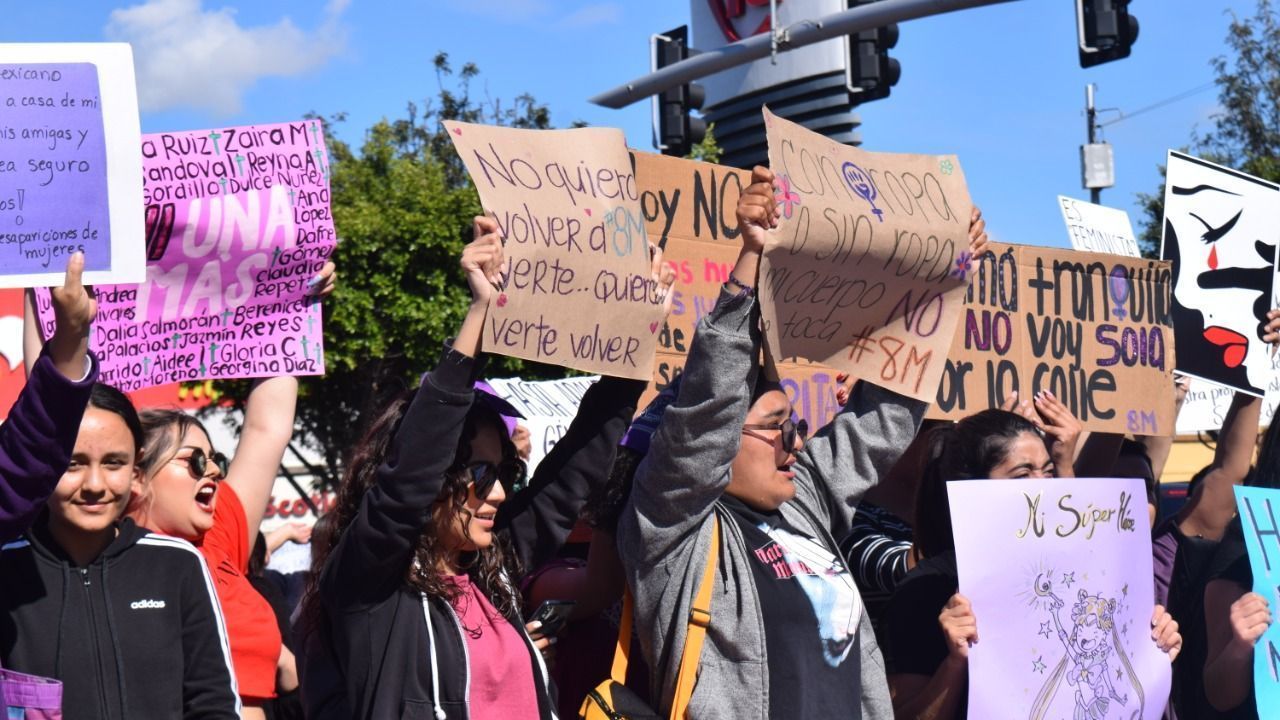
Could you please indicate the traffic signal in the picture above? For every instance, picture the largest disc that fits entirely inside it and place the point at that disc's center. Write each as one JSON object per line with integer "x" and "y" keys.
{"x": 678, "y": 130}
{"x": 871, "y": 71}
{"x": 1105, "y": 30}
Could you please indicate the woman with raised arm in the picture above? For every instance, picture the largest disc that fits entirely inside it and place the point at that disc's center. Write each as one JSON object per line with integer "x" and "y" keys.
{"x": 415, "y": 610}
{"x": 190, "y": 491}
{"x": 788, "y": 638}
{"x": 930, "y": 626}
{"x": 127, "y": 620}
{"x": 37, "y": 437}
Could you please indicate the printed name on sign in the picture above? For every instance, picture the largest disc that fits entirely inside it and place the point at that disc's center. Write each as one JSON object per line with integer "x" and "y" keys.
{"x": 237, "y": 224}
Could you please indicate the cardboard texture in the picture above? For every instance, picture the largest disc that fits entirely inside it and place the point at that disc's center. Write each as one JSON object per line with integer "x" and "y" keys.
{"x": 690, "y": 208}
{"x": 1220, "y": 231}
{"x": 579, "y": 293}
{"x": 1092, "y": 328}
{"x": 238, "y": 222}
{"x": 867, "y": 269}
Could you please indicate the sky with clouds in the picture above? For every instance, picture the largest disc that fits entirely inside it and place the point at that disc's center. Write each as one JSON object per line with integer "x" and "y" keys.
{"x": 999, "y": 86}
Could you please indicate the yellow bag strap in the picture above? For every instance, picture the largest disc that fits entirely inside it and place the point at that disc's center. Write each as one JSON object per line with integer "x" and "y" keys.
{"x": 699, "y": 619}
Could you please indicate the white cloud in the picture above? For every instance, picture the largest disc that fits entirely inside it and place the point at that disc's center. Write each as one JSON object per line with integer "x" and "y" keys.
{"x": 187, "y": 56}
{"x": 606, "y": 13}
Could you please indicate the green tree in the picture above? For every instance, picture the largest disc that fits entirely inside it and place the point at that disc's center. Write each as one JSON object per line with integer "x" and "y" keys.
{"x": 402, "y": 204}
{"x": 1245, "y": 133}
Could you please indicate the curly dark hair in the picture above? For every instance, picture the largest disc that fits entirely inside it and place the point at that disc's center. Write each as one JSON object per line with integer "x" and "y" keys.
{"x": 967, "y": 450}
{"x": 490, "y": 569}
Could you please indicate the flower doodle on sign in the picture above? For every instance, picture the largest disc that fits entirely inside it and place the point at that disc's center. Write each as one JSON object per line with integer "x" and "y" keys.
{"x": 860, "y": 183}
{"x": 946, "y": 166}
{"x": 786, "y": 197}
{"x": 961, "y": 270}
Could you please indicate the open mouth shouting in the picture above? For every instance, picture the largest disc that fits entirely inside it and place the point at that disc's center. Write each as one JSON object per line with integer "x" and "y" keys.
{"x": 206, "y": 492}
{"x": 1234, "y": 345}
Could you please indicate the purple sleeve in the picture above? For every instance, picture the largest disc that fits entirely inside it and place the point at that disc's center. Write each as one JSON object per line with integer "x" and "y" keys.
{"x": 36, "y": 441}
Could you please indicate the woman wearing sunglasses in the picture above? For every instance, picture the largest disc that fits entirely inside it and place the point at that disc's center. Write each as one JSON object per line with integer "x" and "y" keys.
{"x": 125, "y": 619}
{"x": 190, "y": 491}
{"x": 415, "y": 611}
{"x": 788, "y": 638}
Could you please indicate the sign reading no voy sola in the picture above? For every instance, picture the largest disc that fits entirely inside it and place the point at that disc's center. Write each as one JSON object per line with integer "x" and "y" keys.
{"x": 579, "y": 293}
{"x": 867, "y": 269}
{"x": 1064, "y": 607}
{"x": 1260, "y": 519}
{"x": 70, "y": 174}
{"x": 238, "y": 222}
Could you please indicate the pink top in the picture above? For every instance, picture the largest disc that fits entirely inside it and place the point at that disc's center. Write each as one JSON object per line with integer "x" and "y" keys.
{"x": 502, "y": 684}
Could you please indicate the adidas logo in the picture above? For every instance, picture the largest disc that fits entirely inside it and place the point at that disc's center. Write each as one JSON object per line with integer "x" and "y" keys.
{"x": 146, "y": 605}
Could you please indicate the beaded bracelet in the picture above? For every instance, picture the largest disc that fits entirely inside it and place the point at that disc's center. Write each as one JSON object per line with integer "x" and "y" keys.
{"x": 744, "y": 289}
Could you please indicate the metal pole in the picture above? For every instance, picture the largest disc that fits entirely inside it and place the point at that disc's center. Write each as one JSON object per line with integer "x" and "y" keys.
{"x": 1091, "y": 114}
{"x": 805, "y": 32}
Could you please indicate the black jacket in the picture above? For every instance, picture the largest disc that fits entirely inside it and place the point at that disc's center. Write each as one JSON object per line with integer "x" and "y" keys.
{"x": 135, "y": 635}
{"x": 378, "y": 637}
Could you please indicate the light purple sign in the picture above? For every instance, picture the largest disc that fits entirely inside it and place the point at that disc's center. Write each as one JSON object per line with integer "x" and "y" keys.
{"x": 1059, "y": 575}
{"x": 238, "y": 222}
{"x": 53, "y": 168}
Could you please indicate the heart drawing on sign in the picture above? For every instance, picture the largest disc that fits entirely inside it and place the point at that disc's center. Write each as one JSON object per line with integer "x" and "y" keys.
{"x": 587, "y": 211}
{"x": 653, "y": 327}
{"x": 457, "y": 131}
{"x": 502, "y": 300}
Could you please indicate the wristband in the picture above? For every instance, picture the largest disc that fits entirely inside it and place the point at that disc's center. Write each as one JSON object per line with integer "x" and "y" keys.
{"x": 743, "y": 289}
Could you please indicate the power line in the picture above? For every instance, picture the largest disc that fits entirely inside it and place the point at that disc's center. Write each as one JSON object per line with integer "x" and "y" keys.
{"x": 1167, "y": 101}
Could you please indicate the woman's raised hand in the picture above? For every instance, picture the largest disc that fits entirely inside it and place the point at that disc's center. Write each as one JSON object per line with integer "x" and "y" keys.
{"x": 483, "y": 260}
{"x": 74, "y": 308}
{"x": 757, "y": 210}
{"x": 664, "y": 276}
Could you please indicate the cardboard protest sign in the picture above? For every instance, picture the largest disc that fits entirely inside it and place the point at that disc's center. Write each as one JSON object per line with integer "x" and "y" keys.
{"x": 1095, "y": 228}
{"x": 1260, "y": 518}
{"x": 70, "y": 174}
{"x": 238, "y": 222}
{"x": 693, "y": 205}
{"x": 867, "y": 269}
{"x": 548, "y": 406}
{"x": 1064, "y": 607}
{"x": 1220, "y": 230}
{"x": 1093, "y": 329}
{"x": 579, "y": 293}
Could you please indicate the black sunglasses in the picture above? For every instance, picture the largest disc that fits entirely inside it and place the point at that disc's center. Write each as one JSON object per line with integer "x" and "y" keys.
{"x": 485, "y": 474}
{"x": 198, "y": 463}
{"x": 791, "y": 431}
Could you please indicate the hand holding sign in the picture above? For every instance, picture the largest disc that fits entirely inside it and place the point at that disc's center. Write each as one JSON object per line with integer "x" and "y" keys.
{"x": 757, "y": 210}
{"x": 483, "y": 260}
{"x": 74, "y": 308}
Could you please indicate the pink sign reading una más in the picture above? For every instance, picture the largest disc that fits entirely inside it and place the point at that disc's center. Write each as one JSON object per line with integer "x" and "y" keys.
{"x": 238, "y": 222}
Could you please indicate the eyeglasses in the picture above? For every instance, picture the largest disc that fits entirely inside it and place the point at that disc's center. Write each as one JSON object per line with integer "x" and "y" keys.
{"x": 198, "y": 463}
{"x": 791, "y": 431}
{"x": 485, "y": 474}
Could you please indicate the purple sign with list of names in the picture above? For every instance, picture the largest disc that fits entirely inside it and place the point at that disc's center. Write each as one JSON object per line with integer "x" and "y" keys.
{"x": 53, "y": 168}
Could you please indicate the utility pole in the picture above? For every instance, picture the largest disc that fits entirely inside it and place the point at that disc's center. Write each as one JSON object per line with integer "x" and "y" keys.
{"x": 1091, "y": 115}
{"x": 1097, "y": 162}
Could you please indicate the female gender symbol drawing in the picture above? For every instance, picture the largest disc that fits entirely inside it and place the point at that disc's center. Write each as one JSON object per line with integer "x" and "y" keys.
{"x": 860, "y": 183}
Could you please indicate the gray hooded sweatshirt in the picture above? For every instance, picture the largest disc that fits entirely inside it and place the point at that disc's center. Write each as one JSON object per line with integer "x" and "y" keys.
{"x": 664, "y": 535}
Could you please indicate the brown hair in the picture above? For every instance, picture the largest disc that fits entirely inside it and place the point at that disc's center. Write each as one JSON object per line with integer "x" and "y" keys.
{"x": 163, "y": 430}
{"x": 491, "y": 569}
